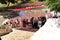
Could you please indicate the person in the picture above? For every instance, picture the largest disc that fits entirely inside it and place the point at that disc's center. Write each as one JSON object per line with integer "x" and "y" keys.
{"x": 15, "y": 24}
{"x": 24, "y": 23}
{"x": 43, "y": 20}
{"x": 35, "y": 23}
{"x": 6, "y": 23}
{"x": 39, "y": 22}
{"x": 12, "y": 23}
{"x": 31, "y": 20}
{"x": 18, "y": 22}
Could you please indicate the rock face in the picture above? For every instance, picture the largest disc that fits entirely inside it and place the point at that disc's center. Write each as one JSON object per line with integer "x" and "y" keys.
{"x": 50, "y": 31}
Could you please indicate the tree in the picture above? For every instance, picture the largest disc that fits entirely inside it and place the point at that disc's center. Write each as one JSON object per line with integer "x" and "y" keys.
{"x": 7, "y": 2}
{"x": 53, "y": 5}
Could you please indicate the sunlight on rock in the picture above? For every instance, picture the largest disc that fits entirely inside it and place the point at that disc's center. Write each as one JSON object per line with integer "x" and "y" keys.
{"x": 50, "y": 31}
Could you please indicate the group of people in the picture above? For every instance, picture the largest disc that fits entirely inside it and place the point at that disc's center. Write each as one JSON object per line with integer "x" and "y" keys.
{"x": 13, "y": 23}
{"x": 37, "y": 23}
{"x": 34, "y": 22}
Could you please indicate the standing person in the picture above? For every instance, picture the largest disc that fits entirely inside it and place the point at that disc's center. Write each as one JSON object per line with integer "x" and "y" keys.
{"x": 43, "y": 20}
{"x": 24, "y": 23}
{"x": 35, "y": 23}
{"x": 12, "y": 23}
{"x": 31, "y": 20}
{"x": 18, "y": 22}
{"x": 39, "y": 22}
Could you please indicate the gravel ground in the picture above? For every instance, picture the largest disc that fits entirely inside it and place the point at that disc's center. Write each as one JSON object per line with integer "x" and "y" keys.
{"x": 18, "y": 35}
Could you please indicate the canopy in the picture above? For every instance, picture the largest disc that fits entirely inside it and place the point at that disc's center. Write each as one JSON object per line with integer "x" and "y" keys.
{"x": 28, "y": 8}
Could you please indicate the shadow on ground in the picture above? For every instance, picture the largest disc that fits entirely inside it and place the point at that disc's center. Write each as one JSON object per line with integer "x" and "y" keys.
{"x": 8, "y": 14}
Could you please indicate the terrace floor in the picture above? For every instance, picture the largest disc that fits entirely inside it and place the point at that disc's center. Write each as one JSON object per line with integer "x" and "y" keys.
{"x": 18, "y": 35}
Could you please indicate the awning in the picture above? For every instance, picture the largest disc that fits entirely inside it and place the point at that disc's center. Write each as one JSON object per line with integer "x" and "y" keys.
{"x": 28, "y": 8}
